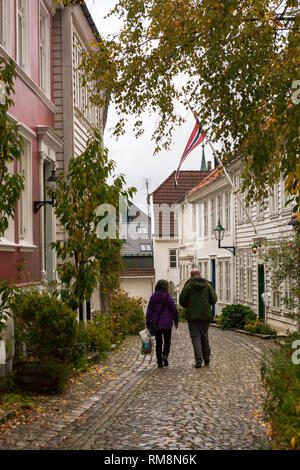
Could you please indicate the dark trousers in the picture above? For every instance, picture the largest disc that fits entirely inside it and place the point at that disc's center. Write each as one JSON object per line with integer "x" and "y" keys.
{"x": 163, "y": 336}
{"x": 199, "y": 336}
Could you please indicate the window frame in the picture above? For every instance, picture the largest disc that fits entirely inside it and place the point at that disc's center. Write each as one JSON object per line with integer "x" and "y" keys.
{"x": 274, "y": 200}
{"x": 172, "y": 255}
{"x": 227, "y": 222}
{"x": 25, "y": 202}
{"x": 5, "y": 40}
{"x": 241, "y": 276}
{"x": 249, "y": 276}
{"x": 44, "y": 62}
{"x": 25, "y": 40}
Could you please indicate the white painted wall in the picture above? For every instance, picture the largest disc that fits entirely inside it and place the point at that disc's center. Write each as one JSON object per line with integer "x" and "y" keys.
{"x": 138, "y": 287}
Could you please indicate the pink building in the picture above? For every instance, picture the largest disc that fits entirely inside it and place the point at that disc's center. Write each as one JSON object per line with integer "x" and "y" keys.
{"x": 26, "y": 36}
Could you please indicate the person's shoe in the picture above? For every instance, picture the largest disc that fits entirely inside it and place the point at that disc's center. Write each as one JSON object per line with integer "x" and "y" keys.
{"x": 166, "y": 363}
{"x": 206, "y": 364}
{"x": 160, "y": 366}
{"x": 198, "y": 365}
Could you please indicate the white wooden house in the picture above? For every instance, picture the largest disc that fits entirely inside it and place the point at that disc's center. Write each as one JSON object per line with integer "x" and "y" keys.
{"x": 73, "y": 32}
{"x": 238, "y": 275}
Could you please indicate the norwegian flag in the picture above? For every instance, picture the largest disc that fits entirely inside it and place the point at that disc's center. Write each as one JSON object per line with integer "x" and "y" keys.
{"x": 197, "y": 136}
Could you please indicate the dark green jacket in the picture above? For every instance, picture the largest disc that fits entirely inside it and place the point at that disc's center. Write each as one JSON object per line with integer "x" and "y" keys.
{"x": 197, "y": 297}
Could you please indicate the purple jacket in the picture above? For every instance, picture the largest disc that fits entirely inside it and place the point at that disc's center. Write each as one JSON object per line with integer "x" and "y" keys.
{"x": 168, "y": 314}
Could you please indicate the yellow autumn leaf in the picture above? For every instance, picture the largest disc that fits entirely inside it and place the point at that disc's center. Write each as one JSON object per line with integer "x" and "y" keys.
{"x": 293, "y": 442}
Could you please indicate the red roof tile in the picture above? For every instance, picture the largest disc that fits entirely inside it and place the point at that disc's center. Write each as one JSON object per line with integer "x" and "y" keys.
{"x": 213, "y": 176}
{"x": 166, "y": 193}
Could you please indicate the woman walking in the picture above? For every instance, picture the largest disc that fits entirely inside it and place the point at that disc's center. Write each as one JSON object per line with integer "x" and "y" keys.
{"x": 162, "y": 311}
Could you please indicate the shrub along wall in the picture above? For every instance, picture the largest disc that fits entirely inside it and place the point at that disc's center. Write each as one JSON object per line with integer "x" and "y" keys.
{"x": 48, "y": 336}
{"x": 281, "y": 378}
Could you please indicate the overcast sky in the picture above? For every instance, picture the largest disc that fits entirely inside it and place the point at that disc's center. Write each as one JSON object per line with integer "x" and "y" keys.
{"x": 134, "y": 157}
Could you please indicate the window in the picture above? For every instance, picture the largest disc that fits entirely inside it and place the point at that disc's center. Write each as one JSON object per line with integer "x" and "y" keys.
{"x": 276, "y": 299}
{"x": 274, "y": 199}
{"x": 249, "y": 278}
{"x": 220, "y": 209}
{"x": 5, "y": 24}
{"x": 288, "y": 300}
{"x": 44, "y": 50}
{"x": 25, "y": 201}
{"x": 172, "y": 258}
{"x": 227, "y": 281}
{"x": 146, "y": 247}
{"x": 206, "y": 219}
{"x": 205, "y": 264}
{"x": 23, "y": 44}
{"x": 200, "y": 221}
{"x": 227, "y": 212}
{"x": 220, "y": 266}
{"x": 213, "y": 216}
{"x": 241, "y": 274}
{"x": 260, "y": 208}
{"x": 285, "y": 197}
{"x": 203, "y": 269}
{"x": 239, "y": 199}
{"x": 81, "y": 93}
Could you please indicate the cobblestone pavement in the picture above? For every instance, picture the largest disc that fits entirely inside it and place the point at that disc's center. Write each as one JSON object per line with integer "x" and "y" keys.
{"x": 126, "y": 403}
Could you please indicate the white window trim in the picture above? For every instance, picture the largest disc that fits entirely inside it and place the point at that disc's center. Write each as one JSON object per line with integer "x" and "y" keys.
{"x": 176, "y": 253}
{"x": 227, "y": 211}
{"x": 260, "y": 214}
{"x": 6, "y": 26}
{"x": 274, "y": 197}
{"x": 45, "y": 62}
{"x": 284, "y": 197}
{"x": 26, "y": 240}
{"x": 213, "y": 216}
{"x": 239, "y": 206}
{"x": 249, "y": 269}
{"x": 241, "y": 270}
{"x": 26, "y": 39}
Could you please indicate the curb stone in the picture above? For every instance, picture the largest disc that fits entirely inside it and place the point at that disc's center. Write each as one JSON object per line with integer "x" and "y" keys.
{"x": 251, "y": 334}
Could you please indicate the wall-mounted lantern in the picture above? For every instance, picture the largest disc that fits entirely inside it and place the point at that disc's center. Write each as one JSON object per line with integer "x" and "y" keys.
{"x": 37, "y": 205}
{"x": 219, "y": 234}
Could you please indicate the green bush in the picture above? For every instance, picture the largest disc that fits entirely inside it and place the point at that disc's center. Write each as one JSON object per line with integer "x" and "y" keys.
{"x": 258, "y": 326}
{"x": 96, "y": 334}
{"x": 126, "y": 315}
{"x": 281, "y": 378}
{"x": 46, "y": 326}
{"x": 236, "y": 316}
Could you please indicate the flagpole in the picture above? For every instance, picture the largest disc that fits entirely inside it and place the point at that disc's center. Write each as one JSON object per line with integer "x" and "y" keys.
{"x": 229, "y": 179}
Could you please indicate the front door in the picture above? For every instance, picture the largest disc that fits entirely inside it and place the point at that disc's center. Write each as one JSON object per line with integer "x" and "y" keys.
{"x": 261, "y": 290}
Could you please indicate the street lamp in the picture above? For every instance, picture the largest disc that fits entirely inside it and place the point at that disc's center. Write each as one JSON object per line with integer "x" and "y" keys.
{"x": 219, "y": 234}
{"x": 39, "y": 204}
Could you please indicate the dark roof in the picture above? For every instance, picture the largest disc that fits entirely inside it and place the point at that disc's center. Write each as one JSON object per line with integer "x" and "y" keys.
{"x": 166, "y": 193}
{"x": 133, "y": 247}
{"x": 89, "y": 18}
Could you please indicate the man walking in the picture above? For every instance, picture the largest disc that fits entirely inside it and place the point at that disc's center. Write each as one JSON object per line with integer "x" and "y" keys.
{"x": 197, "y": 297}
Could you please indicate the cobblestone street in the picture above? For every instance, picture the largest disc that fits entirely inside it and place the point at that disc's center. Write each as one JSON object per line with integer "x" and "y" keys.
{"x": 126, "y": 403}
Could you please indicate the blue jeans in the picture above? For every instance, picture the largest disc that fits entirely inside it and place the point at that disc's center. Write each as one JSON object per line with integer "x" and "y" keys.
{"x": 199, "y": 336}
